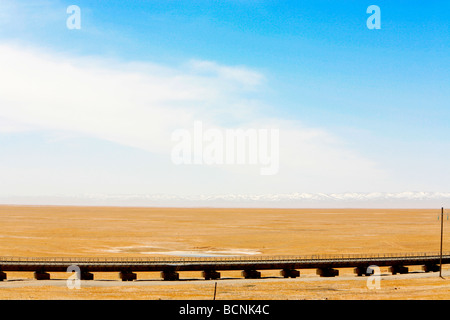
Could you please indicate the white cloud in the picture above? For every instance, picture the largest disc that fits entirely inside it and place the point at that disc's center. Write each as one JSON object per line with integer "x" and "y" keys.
{"x": 10, "y": 126}
{"x": 132, "y": 104}
{"x": 241, "y": 75}
{"x": 141, "y": 104}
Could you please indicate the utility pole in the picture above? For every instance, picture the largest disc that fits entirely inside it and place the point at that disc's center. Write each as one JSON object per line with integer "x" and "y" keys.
{"x": 442, "y": 229}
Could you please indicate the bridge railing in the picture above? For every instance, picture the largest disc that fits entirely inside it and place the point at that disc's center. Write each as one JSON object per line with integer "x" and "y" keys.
{"x": 265, "y": 258}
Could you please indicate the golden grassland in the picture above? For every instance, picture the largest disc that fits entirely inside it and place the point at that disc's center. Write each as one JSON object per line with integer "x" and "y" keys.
{"x": 48, "y": 231}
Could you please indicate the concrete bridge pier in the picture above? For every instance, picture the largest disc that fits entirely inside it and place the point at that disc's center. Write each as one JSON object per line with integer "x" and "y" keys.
{"x": 363, "y": 271}
{"x": 327, "y": 272}
{"x": 127, "y": 275}
{"x": 290, "y": 273}
{"x": 430, "y": 268}
{"x": 169, "y": 275}
{"x": 210, "y": 274}
{"x": 359, "y": 271}
{"x": 398, "y": 269}
{"x": 251, "y": 274}
{"x": 2, "y": 276}
{"x": 41, "y": 275}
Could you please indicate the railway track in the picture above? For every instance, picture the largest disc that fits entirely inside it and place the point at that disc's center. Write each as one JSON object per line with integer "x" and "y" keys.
{"x": 169, "y": 267}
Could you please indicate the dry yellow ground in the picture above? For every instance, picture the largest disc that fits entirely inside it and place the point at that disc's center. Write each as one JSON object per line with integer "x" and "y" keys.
{"x": 114, "y": 232}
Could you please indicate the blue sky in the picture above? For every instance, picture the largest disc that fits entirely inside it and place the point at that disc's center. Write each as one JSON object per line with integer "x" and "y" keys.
{"x": 362, "y": 110}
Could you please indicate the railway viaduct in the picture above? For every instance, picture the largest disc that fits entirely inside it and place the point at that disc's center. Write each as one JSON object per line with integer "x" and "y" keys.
{"x": 169, "y": 268}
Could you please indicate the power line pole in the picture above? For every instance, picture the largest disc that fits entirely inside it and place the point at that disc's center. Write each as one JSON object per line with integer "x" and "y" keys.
{"x": 442, "y": 229}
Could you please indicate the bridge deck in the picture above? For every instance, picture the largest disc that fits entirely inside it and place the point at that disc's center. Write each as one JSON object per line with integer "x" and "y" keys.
{"x": 140, "y": 264}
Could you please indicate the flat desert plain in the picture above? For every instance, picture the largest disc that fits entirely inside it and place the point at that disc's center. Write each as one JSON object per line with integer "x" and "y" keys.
{"x": 70, "y": 231}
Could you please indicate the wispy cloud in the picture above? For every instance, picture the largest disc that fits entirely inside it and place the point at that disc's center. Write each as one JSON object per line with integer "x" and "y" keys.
{"x": 240, "y": 75}
{"x": 135, "y": 104}
{"x": 139, "y": 104}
